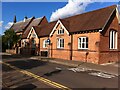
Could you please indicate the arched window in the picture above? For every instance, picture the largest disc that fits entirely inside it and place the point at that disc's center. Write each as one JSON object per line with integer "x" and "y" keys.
{"x": 113, "y": 39}
{"x": 83, "y": 43}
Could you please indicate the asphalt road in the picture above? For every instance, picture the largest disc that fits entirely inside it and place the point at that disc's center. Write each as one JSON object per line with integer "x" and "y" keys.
{"x": 14, "y": 79}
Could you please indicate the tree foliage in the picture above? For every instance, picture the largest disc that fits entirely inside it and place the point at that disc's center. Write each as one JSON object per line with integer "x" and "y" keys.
{"x": 9, "y": 39}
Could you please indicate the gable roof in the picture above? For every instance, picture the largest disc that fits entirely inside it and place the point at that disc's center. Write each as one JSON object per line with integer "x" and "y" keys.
{"x": 35, "y": 22}
{"x": 90, "y": 20}
{"x": 46, "y": 29}
{"x": 93, "y": 20}
{"x": 20, "y": 26}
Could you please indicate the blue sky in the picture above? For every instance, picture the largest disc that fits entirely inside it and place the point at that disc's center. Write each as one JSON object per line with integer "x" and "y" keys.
{"x": 38, "y": 9}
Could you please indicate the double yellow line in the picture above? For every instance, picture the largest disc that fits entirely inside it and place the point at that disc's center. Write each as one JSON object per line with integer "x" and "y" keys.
{"x": 44, "y": 80}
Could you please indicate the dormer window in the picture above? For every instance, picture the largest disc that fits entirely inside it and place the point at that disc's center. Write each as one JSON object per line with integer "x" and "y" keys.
{"x": 61, "y": 31}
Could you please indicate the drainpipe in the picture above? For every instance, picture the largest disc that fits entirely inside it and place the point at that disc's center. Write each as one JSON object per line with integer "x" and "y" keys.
{"x": 48, "y": 41}
{"x": 86, "y": 55}
{"x": 39, "y": 53}
{"x": 71, "y": 46}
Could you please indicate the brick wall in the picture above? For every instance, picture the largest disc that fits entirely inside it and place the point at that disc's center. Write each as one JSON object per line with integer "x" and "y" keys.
{"x": 119, "y": 43}
{"x": 60, "y": 53}
{"x": 107, "y": 55}
{"x": 90, "y": 55}
{"x": 54, "y": 52}
{"x": 11, "y": 51}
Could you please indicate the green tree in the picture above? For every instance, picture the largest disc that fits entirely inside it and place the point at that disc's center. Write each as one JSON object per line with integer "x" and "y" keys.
{"x": 9, "y": 39}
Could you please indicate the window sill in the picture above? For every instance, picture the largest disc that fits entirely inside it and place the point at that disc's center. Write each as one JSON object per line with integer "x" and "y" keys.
{"x": 60, "y": 35}
{"x": 113, "y": 49}
{"x": 45, "y": 47}
{"x": 60, "y": 48}
{"x": 82, "y": 49}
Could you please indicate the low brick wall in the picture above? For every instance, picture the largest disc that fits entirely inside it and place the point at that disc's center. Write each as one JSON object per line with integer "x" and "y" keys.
{"x": 11, "y": 51}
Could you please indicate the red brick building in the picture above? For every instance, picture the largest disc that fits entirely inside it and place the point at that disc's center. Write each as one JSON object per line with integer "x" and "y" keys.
{"x": 23, "y": 28}
{"x": 89, "y": 37}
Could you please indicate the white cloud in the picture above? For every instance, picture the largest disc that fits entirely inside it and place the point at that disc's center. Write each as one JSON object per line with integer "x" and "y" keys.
{"x": 73, "y": 7}
{"x": 8, "y": 25}
{"x": 1, "y": 23}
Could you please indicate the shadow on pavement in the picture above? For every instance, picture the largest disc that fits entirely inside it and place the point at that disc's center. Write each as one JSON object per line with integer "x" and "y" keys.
{"x": 27, "y": 86}
{"x": 15, "y": 56}
{"x": 27, "y": 64}
{"x": 23, "y": 87}
{"x": 6, "y": 68}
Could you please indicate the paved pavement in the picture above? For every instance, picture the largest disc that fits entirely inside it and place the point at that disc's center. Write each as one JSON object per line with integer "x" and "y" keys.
{"x": 111, "y": 68}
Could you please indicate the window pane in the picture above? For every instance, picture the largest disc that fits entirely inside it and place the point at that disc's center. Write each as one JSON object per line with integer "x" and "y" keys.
{"x": 83, "y": 45}
{"x": 63, "y": 30}
{"x": 86, "y": 42}
{"x": 79, "y": 43}
{"x": 111, "y": 39}
{"x": 83, "y": 39}
{"x": 86, "y": 39}
{"x": 80, "y": 40}
{"x": 63, "y": 43}
{"x": 58, "y": 31}
{"x": 86, "y": 45}
{"x": 83, "y": 42}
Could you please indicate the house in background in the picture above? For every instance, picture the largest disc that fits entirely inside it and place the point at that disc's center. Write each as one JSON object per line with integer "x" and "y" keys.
{"x": 30, "y": 41}
{"x": 23, "y": 28}
{"x": 89, "y": 37}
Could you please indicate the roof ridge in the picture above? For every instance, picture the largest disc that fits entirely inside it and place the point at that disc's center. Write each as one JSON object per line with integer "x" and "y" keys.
{"x": 91, "y": 11}
{"x": 86, "y": 12}
{"x": 23, "y": 21}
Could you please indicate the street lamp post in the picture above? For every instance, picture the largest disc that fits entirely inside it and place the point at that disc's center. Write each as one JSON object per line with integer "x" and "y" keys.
{"x": 48, "y": 42}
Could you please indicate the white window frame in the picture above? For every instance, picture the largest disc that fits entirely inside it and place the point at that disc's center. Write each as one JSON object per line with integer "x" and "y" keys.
{"x": 45, "y": 43}
{"x": 80, "y": 43}
{"x": 113, "y": 39}
{"x": 59, "y": 43}
{"x": 60, "y": 31}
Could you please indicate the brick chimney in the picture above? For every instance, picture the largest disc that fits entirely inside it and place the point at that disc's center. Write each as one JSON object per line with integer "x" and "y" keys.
{"x": 25, "y": 18}
{"x": 15, "y": 20}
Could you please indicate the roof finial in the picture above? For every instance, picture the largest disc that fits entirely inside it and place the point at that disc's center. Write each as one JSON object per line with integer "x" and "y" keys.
{"x": 15, "y": 20}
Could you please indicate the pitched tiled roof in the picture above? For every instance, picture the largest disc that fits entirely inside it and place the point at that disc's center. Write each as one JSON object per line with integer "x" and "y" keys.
{"x": 87, "y": 21}
{"x": 90, "y": 20}
{"x": 35, "y": 22}
{"x": 20, "y": 26}
{"x": 46, "y": 29}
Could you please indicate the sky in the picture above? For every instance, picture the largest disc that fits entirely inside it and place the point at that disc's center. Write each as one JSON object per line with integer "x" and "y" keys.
{"x": 52, "y": 10}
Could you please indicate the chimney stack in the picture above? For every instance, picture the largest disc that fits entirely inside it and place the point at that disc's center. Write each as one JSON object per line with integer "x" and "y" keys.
{"x": 15, "y": 20}
{"x": 25, "y": 18}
